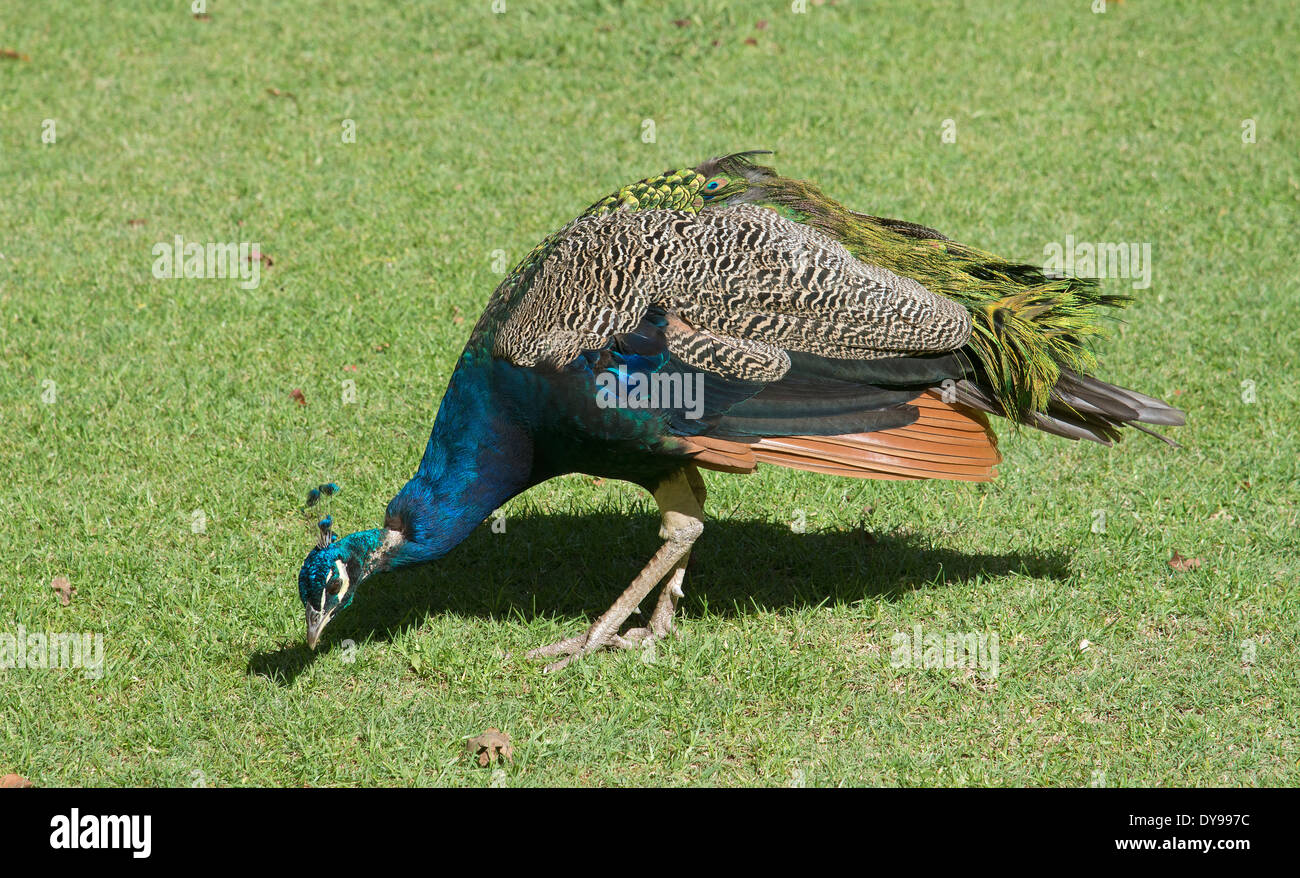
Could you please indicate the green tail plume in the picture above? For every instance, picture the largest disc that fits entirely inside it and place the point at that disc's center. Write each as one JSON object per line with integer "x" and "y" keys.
{"x": 1027, "y": 326}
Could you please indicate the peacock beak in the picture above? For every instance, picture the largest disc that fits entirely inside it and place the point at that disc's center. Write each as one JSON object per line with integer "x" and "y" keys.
{"x": 315, "y": 625}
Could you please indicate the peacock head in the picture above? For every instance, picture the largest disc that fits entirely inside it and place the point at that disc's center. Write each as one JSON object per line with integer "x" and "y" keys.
{"x": 328, "y": 579}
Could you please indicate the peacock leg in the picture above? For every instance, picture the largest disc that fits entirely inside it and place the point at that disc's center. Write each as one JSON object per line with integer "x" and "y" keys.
{"x": 683, "y": 523}
{"x": 661, "y": 621}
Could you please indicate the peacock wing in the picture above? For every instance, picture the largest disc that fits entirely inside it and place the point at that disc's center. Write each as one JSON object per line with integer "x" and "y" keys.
{"x": 744, "y": 285}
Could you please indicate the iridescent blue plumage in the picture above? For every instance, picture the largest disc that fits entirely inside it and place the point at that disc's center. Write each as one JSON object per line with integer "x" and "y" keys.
{"x": 329, "y": 576}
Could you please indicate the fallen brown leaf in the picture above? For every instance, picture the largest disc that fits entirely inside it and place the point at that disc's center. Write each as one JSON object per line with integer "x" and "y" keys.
{"x": 1181, "y": 564}
{"x": 750, "y": 41}
{"x": 682, "y": 22}
{"x": 260, "y": 257}
{"x": 490, "y": 746}
{"x": 135, "y": 223}
{"x": 14, "y": 55}
{"x": 14, "y": 782}
{"x": 296, "y": 393}
{"x": 63, "y": 588}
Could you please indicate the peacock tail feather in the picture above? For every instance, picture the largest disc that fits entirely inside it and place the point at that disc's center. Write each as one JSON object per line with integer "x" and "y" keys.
{"x": 671, "y": 190}
{"x": 1027, "y": 326}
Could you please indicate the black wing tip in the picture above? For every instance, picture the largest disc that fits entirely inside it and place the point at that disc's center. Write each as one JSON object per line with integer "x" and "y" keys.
{"x": 1084, "y": 407}
{"x": 1140, "y": 407}
{"x": 1163, "y": 438}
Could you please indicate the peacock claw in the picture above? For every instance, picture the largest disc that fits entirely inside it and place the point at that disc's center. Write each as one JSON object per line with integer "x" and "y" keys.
{"x": 642, "y": 636}
{"x": 576, "y": 647}
{"x": 572, "y": 648}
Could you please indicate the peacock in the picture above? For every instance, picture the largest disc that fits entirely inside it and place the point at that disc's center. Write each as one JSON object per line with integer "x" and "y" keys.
{"x": 720, "y": 317}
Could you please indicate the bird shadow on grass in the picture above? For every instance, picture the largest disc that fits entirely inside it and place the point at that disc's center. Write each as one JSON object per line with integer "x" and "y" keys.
{"x": 574, "y": 566}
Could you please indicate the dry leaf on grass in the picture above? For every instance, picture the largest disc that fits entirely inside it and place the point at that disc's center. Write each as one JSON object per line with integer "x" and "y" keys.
{"x": 63, "y": 588}
{"x": 490, "y": 746}
{"x": 296, "y": 393}
{"x": 14, "y": 782}
{"x": 1181, "y": 564}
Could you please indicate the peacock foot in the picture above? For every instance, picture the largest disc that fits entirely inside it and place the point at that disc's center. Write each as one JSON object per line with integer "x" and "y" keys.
{"x": 600, "y": 636}
{"x": 576, "y": 647}
{"x": 679, "y": 501}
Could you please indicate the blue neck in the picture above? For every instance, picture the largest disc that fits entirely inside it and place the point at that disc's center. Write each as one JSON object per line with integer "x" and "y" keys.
{"x": 478, "y": 457}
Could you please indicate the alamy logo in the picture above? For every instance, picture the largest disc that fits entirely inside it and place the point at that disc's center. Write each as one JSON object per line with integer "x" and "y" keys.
{"x": 1110, "y": 260}
{"x": 676, "y": 390}
{"x": 52, "y": 649}
{"x": 949, "y": 649}
{"x": 76, "y": 831}
{"x": 177, "y": 259}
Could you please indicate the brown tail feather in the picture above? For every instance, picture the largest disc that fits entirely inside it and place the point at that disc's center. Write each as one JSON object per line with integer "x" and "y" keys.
{"x": 948, "y": 441}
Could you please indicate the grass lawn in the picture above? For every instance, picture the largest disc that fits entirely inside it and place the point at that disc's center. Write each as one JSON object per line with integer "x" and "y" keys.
{"x": 154, "y": 456}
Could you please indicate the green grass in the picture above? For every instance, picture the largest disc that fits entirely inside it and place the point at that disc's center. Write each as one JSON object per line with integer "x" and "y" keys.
{"x": 478, "y": 133}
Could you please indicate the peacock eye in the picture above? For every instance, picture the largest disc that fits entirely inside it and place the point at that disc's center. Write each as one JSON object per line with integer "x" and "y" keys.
{"x": 712, "y": 185}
